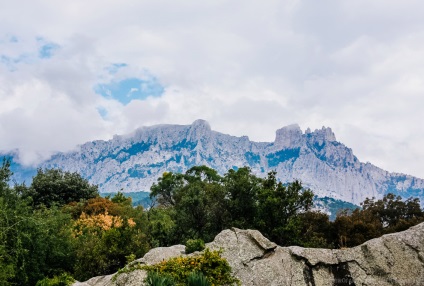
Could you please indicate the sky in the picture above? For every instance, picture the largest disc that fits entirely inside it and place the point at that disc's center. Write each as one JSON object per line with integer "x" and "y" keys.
{"x": 76, "y": 71}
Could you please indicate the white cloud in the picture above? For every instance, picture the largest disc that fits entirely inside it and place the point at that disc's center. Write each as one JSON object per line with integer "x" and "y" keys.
{"x": 247, "y": 67}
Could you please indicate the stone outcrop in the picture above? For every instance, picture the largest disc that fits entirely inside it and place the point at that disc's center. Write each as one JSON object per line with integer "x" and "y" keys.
{"x": 393, "y": 259}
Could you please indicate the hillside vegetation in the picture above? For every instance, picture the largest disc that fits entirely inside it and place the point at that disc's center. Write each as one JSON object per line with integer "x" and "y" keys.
{"x": 59, "y": 226}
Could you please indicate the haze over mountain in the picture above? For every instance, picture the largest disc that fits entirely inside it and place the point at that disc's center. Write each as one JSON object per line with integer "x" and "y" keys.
{"x": 133, "y": 162}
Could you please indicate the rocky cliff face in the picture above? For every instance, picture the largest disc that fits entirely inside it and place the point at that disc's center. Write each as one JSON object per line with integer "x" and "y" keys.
{"x": 394, "y": 259}
{"x": 134, "y": 162}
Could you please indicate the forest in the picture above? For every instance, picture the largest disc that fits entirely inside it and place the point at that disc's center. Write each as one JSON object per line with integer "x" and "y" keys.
{"x": 60, "y": 226}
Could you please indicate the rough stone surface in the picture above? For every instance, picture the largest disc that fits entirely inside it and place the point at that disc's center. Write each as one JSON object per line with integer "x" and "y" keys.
{"x": 394, "y": 259}
{"x": 158, "y": 254}
{"x": 133, "y": 162}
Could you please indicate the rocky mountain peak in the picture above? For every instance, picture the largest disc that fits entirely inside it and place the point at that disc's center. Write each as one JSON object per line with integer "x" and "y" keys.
{"x": 324, "y": 134}
{"x": 133, "y": 162}
{"x": 288, "y": 137}
{"x": 199, "y": 129}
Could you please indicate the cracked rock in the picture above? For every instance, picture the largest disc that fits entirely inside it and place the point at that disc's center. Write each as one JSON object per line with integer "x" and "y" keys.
{"x": 393, "y": 259}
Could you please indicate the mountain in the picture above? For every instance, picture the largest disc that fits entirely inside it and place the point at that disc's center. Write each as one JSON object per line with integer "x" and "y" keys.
{"x": 133, "y": 162}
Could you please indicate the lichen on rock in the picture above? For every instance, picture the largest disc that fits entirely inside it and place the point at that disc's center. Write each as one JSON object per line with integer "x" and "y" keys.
{"x": 393, "y": 259}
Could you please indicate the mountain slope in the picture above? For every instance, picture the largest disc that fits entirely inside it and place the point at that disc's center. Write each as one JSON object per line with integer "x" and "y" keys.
{"x": 133, "y": 162}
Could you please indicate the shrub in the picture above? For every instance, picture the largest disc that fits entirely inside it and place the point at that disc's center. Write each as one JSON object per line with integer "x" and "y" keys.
{"x": 210, "y": 263}
{"x": 197, "y": 279}
{"x": 155, "y": 279}
{"x": 193, "y": 245}
{"x": 61, "y": 280}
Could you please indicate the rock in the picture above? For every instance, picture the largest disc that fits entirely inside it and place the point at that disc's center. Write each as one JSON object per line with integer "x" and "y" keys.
{"x": 97, "y": 281}
{"x": 288, "y": 137}
{"x": 135, "y": 161}
{"x": 393, "y": 259}
{"x": 159, "y": 254}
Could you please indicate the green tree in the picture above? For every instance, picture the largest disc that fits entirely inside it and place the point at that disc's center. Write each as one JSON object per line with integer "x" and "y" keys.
{"x": 316, "y": 230}
{"x": 161, "y": 226}
{"x": 165, "y": 189}
{"x": 355, "y": 227}
{"x": 242, "y": 188}
{"x": 198, "y": 204}
{"x": 194, "y": 201}
{"x": 33, "y": 243}
{"x": 377, "y": 217}
{"x": 105, "y": 234}
{"x": 279, "y": 207}
{"x": 202, "y": 174}
{"x": 56, "y": 187}
{"x": 393, "y": 213}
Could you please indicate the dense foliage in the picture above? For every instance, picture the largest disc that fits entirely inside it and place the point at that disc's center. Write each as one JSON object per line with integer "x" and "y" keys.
{"x": 185, "y": 270}
{"x": 200, "y": 203}
{"x": 55, "y": 187}
{"x": 58, "y": 227}
{"x": 45, "y": 237}
{"x": 193, "y": 245}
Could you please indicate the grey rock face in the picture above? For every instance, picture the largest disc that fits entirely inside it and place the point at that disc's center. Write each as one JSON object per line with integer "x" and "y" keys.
{"x": 134, "y": 162}
{"x": 394, "y": 259}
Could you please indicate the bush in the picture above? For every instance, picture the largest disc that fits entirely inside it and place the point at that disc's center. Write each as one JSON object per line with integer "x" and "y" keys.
{"x": 210, "y": 263}
{"x": 193, "y": 245}
{"x": 197, "y": 279}
{"x": 155, "y": 279}
{"x": 61, "y": 280}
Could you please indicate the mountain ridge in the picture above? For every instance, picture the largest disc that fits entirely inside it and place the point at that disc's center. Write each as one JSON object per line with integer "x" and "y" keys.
{"x": 134, "y": 161}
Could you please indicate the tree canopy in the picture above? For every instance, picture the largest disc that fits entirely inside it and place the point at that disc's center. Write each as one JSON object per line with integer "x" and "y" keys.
{"x": 56, "y": 187}
{"x": 203, "y": 203}
{"x": 60, "y": 227}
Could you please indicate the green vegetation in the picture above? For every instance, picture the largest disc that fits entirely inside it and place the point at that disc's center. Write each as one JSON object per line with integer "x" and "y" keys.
{"x": 55, "y": 187}
{"x": 200, "y": 204}
{"x": 138, "y": 198}
{"x": 44, "y": 236}
{"x": 59, "y": 228}
{"x": 208, "y": 268}
{"x": 155, "y": 279}
{"x": 61, "y": 280}
{"x": 197, "y": 279}
{"x": 388, "y": 215}
{"x": 106, "y": 233}
{"x": 193, "y": 245}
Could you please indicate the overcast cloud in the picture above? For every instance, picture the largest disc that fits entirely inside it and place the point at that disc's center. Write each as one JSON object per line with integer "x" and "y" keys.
{"x": 248, "y": 67}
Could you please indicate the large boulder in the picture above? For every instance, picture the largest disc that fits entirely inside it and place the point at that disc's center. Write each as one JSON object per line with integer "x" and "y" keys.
{"x": 393, "y": 259}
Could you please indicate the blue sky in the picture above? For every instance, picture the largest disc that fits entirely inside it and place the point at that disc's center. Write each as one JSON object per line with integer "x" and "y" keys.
{"x": 129, "y": 89}
{"x": 47, "y": 50}
{"x": 88, "y": 70}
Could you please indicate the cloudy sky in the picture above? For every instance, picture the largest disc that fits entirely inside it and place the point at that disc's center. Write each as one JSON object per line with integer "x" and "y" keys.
{"x": 74, "y": 71}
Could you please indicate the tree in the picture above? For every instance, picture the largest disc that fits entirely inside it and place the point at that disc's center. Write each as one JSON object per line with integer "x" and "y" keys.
{"x": 161, "y": 226}
{"x": 190, "y": 211}
{"x": 355, "y": 227}
{"x": 56, "y": 187}
{"x": 106, "y": 232}
{"x": 278, "y": 209}
{"x": 377, "y": 217}
{"x": 202, "y": 174}
{"x": 5, "y": 175}
{"x": 33, "y": 243}
{"x": 316, "y": 230}
{"x": 7, "y": 220}
{"x": 166, "y": 188}
{"x": 393, "y": 213}
{"x": 242, "y": 188}
{"x": 194, "y": 201}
